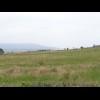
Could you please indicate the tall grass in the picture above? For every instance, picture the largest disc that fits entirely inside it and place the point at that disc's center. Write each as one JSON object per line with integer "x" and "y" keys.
{"x": 60, "y": 68}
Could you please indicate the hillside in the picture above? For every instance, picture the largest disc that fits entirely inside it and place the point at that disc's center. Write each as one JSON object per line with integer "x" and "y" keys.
{"x": 61, "y": 68}
{"x": 15, "y": 47}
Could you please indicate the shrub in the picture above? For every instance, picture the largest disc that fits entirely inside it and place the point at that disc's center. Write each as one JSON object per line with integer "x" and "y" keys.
{"x": 81, "y": 47}
{"x": 67, "y": 48}
{"x": 94, "y": 46}
{"x": 1, "y": 51}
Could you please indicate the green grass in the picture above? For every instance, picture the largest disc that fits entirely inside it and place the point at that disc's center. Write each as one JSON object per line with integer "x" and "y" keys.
{"x": 51, "y": 68}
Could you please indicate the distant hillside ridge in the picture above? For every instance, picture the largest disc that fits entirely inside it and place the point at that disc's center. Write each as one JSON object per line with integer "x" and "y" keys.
{"x": 7, "y": 47}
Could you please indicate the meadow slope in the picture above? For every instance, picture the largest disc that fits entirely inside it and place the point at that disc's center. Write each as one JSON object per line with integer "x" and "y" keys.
{"x": 77, "y": 68}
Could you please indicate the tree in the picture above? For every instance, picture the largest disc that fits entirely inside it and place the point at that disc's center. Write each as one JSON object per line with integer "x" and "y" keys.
{"x": 67, "y": 48}
{"x": 1, "y": 51}
{"x": 81, "y": 47}
{"x": 94, "y": 46}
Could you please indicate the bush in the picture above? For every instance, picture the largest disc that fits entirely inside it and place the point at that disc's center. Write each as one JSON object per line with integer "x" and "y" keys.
{"x": 94, "y": 46}
{"x": 81, "y": 47}
{"x": 67, "y": 48}
{"x": 1, "y": 51}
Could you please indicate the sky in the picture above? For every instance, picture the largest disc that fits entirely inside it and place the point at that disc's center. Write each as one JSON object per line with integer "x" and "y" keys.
{"x": 54, "y": 29}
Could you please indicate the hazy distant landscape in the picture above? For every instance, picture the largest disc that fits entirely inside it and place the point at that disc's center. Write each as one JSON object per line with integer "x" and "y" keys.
{"x": 21, "y": 47}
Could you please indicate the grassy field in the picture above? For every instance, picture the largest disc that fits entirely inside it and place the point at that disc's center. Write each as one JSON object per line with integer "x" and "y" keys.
{"x": 51, "y": 68}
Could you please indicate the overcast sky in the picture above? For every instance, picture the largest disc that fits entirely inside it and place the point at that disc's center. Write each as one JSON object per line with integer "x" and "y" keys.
{"x": 55, "y": 29}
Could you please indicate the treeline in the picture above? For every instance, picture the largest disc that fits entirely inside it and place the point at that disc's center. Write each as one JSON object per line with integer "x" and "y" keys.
{"x": 2, "y": 51}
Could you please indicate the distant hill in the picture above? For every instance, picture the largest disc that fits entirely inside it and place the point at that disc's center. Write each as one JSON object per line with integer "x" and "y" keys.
{"x": 17, "y": 47}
